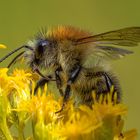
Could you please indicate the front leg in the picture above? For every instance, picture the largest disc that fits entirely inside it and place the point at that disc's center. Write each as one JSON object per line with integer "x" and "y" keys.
{"x": 72, "y": 77}
{"x": 41, "y": 82}
{"x": 59, "y": 81}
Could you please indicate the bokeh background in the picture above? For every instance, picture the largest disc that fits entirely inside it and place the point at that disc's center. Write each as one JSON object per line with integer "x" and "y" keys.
{"x": 21, "y": 19}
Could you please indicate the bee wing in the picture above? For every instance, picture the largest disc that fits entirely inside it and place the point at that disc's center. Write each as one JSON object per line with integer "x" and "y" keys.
{"x": 99, "y": 55}
{"x": 123, "y": 37}
{"x": 105, "y": 46}
{"x": 111, "y": 52}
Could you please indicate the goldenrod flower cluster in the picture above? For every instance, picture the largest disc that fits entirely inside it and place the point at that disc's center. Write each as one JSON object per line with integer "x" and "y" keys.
{"x": 19, "y": 107}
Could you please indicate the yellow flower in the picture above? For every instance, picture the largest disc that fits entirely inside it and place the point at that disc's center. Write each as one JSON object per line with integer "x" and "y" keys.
{"x": 79, "y": 125}
{"x": 6, "y": 82}
{"x": 2, "y": 46}
{"x": 41, "y": 106}
{"x": 128, "y": 135}
{"x": 41, "y": 109}
{"x": 21, "y": 79}
{"x": 16, "y": 87}
{"x": 4, "y": 104}
{"x": 104, "y": 121}
{"x": 4, "y": 78}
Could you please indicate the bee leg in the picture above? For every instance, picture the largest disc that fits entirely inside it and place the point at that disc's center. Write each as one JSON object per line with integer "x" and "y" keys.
{"x": 109, "y": 82}
{"x": 58, "y": 80}
{"x": 40, "y": 83}
{"x": 65, "y": 99}
{"x": 73, "y": 75}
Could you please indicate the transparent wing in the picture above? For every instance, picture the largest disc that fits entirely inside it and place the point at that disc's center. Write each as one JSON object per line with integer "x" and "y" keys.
{"x": 123, "y": 37}
{"x": 106, "y": 45}
{"x": 112, "y": 52}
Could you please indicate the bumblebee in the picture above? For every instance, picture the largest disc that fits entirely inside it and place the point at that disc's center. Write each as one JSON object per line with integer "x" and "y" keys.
{"x": 79, "y": 60}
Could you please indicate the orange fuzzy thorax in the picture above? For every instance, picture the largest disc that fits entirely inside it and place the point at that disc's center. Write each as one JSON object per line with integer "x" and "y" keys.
{"x": 66, "y": 32}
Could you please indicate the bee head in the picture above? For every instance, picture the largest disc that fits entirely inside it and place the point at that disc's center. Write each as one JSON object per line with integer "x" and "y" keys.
{"x": 43, "y": 54}
{"x": 40, "y": 48}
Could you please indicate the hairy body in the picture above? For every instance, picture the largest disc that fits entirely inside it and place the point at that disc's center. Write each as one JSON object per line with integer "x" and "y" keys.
{"x": 78, "y": 59}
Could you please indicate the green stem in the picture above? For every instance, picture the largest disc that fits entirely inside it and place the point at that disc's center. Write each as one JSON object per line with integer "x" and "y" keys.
{"x": 21, "y": 132}
{"x": 6, "y": 131}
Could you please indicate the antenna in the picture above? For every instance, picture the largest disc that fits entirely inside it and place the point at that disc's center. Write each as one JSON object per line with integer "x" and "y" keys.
{"x": 12, "y": 52}
{"x": 14, "y": 59}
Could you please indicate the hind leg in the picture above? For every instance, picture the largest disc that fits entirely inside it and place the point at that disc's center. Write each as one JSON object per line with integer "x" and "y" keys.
{"x": 40, "y": 83}
{"x": 107, "y": 80}
{"x": 99, "y": 82}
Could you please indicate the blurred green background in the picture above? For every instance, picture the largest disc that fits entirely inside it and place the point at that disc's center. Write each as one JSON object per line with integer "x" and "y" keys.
{"x": 21, "y": 19}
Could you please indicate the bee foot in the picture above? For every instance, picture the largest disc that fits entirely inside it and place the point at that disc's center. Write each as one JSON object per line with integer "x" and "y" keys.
{"x": 59, "y": 111}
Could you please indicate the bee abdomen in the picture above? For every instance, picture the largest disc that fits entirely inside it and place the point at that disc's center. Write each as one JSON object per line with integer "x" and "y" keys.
{"x": 94, "y": 81}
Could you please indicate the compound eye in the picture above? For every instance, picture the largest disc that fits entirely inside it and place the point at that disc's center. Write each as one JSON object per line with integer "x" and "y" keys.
{"x": 43, "y": 43}
{"x": 40, "y": 48}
